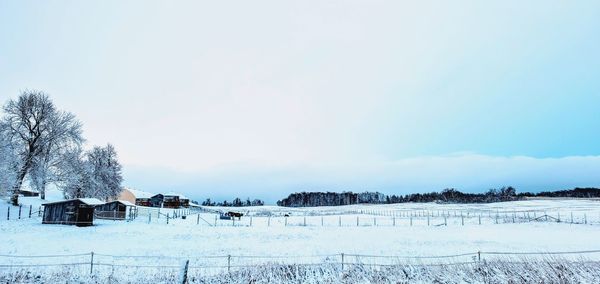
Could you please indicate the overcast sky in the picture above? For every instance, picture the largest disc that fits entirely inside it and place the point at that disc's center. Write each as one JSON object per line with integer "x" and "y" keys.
{"x": 266, "y": 98}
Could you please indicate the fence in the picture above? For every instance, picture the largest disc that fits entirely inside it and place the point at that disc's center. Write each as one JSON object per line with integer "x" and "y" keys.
{"x": 93, "y": 263}
{"x": 358, "y": 218}
{"x": 22, "y": 212}
{"x": 366, "y": 220}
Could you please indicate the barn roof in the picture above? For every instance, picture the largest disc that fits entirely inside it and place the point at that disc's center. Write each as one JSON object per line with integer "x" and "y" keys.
{"x": 125, "y": 202}
{"x": 88, "y": 201}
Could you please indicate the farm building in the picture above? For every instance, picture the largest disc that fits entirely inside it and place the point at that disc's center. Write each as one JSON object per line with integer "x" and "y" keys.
{"x": 126, "y": 194}
{"x": 29, "y": 192}
{"x": 157, "y": 200}
{"x": 180, "y": 199}
{"x": 169, "y": 200}
{"x": 114, "y": 210}
{"x": 137, "y": 197}
{"x": 78, "y": 212}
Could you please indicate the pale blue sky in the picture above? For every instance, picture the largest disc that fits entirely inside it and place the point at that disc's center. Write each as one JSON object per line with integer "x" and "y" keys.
{"x": 269, "y": 97}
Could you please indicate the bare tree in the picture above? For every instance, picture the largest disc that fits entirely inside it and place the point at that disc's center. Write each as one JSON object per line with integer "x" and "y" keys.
{"x": 36, "y": 129}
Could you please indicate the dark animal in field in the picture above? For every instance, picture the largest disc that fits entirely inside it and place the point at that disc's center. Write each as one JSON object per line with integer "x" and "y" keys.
{"x": 235, "y": 214}
{"x": 286, "y": 215}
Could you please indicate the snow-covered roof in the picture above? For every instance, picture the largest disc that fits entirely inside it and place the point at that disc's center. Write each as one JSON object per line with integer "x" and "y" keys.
{"x": 181, "y": 196}
{"x": 140, "y": 194}
{"x": 91, "y": 201}
{"x": 88, "y": 201}
{"x": 125, "y": 202}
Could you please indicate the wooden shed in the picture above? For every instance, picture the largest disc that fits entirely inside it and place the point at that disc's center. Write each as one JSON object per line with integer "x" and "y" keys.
{"x": 78, "y": 212}
{"x": 29, "y": 192}
{"x": 114, "y": 210}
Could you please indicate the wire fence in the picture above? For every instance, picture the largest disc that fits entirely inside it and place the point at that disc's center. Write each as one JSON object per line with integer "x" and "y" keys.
{"x": 357, "y": 218}
{"x": 214, "y": 264}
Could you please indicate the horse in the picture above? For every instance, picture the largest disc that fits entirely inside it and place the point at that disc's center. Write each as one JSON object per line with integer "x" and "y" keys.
{"x": 235, "y": 214}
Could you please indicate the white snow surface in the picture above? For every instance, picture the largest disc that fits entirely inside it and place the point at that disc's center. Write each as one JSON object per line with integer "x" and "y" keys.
{"x": 196, "y": 236}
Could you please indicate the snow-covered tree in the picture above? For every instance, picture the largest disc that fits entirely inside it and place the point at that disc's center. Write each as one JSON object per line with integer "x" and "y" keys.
{"x": 37, "y": 131}
{"x": 9, "y": 161}
{"x": 64, "y": 135}
{"x": 105, "y": 172}
{"x": 75, "y": 175}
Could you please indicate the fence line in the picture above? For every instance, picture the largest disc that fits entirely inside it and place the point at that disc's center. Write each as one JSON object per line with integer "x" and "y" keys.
{"x": 305, "y": 256}
{"x": 343, "y": 261}
{"x": 363, "y": 218}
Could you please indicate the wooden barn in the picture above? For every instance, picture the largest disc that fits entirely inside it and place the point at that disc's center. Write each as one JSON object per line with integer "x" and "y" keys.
{"x": 137, "y": 197}
{"x": 169, "y": 200}
{"x": 114, "y": 210}
{"x": 79, "y": 212}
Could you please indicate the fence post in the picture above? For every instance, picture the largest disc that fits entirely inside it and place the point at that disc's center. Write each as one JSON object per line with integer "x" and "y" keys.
{"x": 479, "y": 256}
{"x": 394, "y": 221}
{"x": 185, "y": 272}
{"x": 251, "y": 221}
{"x": 8, "y": 213}
{"x": 585, "y": 218}
{"x": 374, "y": 222}
{"x": 340, "y": 221}
{"x": 40, "y": 212}
{"x": 269, "y": 221}
{"x": 167, "y": 218}
{"x": 571, "y": 217}
{"x": 558, "y": 216}
{"x": 411, "y": 220}
{"x": 304, "y": 221}
{"x": 92, "y": 263}
{"x": 20, "y": 210}
{"x": 115, "y": 215}
{"x": 30, "y": 206}
{"x": 427, "y": 218}
{"x": 198, "y": 219}
{"x": 480, "y": 219}
{"x": 342, "y": 261}
{"x": 285, "y": 221}
{"x": 149, "y": 218}
{"x": 228, "y": 263}
{"x": 445, "y": 221}
{"x": 462, "y": 219}
{"x": 321, "y": 221}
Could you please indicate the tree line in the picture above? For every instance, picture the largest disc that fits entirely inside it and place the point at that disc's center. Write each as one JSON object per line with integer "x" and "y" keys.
{"x": 237, "y": 202}
{"x": 449, "y": 195}
{"x": 43, "y": 145}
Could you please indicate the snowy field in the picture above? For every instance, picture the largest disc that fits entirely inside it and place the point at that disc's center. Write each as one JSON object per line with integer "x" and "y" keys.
{"x": 366, "y": 234}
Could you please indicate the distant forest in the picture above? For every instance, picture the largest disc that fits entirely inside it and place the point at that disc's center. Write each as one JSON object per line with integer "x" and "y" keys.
{"x": 449, "y": 195}
{"x": 237, "y": 202}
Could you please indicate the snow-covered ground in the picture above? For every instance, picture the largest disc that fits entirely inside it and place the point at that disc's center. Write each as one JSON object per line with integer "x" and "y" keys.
{"x": 402, "y": 231}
